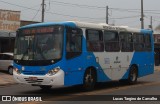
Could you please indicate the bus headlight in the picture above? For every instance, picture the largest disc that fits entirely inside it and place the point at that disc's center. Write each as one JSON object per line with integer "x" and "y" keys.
{"x": 53, "y": 71}
{"x": 17, "y": 71}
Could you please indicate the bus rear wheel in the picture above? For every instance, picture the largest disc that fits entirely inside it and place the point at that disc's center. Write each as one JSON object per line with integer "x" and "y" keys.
{"x": 132, "y": 78}
{"x": 89, "y": 79}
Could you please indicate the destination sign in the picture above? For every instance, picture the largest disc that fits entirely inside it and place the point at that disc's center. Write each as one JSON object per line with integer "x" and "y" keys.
{"x": 114, "y": 28}
{"x": 38, "y": 30}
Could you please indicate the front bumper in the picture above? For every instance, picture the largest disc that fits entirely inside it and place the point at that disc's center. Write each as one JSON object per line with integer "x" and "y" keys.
{"x": 54, "y": 80}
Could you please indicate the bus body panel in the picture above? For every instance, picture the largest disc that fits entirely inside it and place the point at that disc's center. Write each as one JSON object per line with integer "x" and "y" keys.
{"x": 114, "y": 64}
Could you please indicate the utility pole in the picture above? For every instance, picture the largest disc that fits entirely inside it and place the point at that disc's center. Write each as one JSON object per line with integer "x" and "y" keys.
{"x": 107, "y": 14}
{"x": 42, "y": 11}
{"x": 142, "y": 16}
{"x": 151, "y": 26}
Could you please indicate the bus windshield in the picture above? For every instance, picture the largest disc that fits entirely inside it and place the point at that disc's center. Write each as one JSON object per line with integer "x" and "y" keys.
{"x": 39, "y": 43}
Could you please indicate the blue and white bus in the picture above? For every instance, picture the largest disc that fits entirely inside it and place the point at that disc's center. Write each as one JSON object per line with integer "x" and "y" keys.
{"x": 79, "y": 53}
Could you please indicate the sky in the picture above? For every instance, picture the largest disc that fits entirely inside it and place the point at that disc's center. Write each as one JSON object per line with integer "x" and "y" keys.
{"x": 121, "y": 12}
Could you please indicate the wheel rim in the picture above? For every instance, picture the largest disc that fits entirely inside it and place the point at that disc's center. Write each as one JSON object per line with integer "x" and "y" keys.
{"x": 89, "y": 79}
{"x": 133, "y": 75}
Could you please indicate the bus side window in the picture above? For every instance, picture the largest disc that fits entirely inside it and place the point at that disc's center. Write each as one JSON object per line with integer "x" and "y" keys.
{"x": 147, "y": 39}
{"x": 126, "y": 42}
{"x": 138, "y": 40}
{"x": 111, "y": 40}
{"x": 94, "y": 40}
{"x": 73, "y": 42}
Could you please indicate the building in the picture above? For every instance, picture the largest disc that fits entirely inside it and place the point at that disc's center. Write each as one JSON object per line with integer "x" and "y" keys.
{"x": 7, "y": 38}
{"x": 23, "y": 22}
{"x": 9, "y": 23}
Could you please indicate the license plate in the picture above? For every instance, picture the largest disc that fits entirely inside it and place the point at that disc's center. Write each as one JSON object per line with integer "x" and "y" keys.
{"x": 32, "y": 78}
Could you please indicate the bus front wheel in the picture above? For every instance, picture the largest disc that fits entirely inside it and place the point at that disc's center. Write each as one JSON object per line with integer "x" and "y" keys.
{"x": 132, "y": 78}
{"x": 89, "y": 79}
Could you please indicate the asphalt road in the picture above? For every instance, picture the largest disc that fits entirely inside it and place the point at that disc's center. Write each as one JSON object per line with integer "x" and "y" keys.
{"x": 149, "y": 85}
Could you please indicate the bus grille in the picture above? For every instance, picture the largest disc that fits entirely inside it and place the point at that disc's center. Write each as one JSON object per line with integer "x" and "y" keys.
{"x": 33, "y": 81}
{"x": 34, "y": 72}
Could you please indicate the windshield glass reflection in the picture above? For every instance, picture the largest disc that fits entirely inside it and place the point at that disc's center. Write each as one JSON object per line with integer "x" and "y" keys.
{"x": 43, "y": 43}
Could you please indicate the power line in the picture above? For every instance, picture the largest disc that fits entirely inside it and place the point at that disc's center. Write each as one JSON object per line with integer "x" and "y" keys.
{"x": 152, "y": 19}
{"x": 49, "y": 12}
{"x": 36, "y": 13}
{"x": 134, "y": 10}
{"x": 101, "y": 7}
{"x": 18, "y": 5}
{"x": 79, "y": 5}
{"x": 73, "y": 16}
{"x": 126, "y": 17}
{"x": 118, "y": 9}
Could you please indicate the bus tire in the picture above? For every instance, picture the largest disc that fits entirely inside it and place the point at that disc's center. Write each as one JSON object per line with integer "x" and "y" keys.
{"x": 133, "y": 74}
{"x": 10, "y": 70}
{"x": 89, "y": 79}
{"x": 45, "y": 87}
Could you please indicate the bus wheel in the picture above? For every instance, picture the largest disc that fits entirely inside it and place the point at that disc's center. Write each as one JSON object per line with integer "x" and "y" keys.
{"x": 89, "y": 79}
{"x": 10, "y": 70}
{"x": 45, "y": 87}
{"x": 132, "y": 78}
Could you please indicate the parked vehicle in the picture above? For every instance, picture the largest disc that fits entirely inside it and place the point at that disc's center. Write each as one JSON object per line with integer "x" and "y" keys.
{"x": 6, "y": 62}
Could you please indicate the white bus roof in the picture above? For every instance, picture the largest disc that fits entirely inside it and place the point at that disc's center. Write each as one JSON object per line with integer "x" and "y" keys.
{"x": 104, "y": 26}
